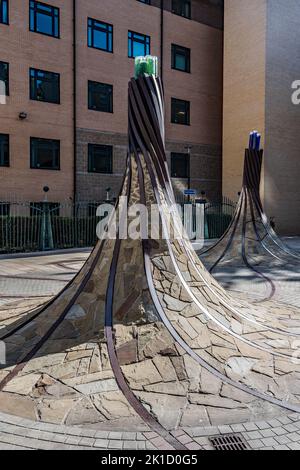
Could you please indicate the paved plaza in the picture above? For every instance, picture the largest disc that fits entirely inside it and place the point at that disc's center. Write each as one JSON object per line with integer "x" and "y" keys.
{"x": 26, "y": 282}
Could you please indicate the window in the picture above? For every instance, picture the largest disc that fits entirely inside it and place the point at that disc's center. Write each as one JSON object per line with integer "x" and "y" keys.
{"x": 180, "y": 112}
{"x": 44, "y": 19}
{"x": 4, "y": 11}
{"x": 100, "y": 97}
{"x": 148, "y": 2}
{"x": 181, "y": 58}
{"x": 100, "y": 159}
{"x": 44, "y": 154}
{"x": 44, "y": 86}
{"x": 100, "y": 35}
{"x": 138, "y": 44}
{"x": 180, "y": 165}
{"x": 36, "y": 209}
{"x": 4, "y": 150}
{"x": 4, "y": 209}
{"x": 182, "y": 8}
{"x": 4, "y": 76}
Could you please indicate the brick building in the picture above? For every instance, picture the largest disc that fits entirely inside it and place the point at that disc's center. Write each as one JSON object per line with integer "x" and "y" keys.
{"x": 66, "y": 66}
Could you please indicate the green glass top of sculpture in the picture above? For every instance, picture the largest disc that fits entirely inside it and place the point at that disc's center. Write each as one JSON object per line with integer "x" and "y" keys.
{"x": 147, "y": 65}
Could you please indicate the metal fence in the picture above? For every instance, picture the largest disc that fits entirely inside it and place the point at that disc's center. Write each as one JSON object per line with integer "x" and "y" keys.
{"x": 30, "y": 227}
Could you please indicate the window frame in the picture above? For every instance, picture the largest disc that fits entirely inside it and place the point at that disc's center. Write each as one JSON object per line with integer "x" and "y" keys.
{"x": 92, "y": 82}
{"x": 5, "y": 165}
{"x": 90, "y": 156}
{"x": 1, "y": 11}
{"x": 92, "y": 27}
{"x": 32, "y": 69}
{"x": 188, "y": 165}
{"x": 183, "y": 2}
{"x": 131, "y": 40}
{"x": 32, "y": 167}
{"x": 174, "y": 53}
{"x": 35, "y": 10}
{"x": 188, "y": 112}
{"x": 7, "y": 206}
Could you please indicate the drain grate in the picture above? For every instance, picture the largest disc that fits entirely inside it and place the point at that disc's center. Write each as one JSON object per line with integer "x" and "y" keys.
{"x": 229, "y": 442}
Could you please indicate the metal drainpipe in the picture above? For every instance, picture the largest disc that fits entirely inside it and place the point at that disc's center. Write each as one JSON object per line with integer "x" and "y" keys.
{"x": 74, "y": 103}
{"x": 162, "y": 39}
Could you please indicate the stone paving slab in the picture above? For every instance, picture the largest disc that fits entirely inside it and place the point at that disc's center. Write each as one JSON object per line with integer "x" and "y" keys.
{"x": 21, "y": 434}
{"x": 18, "y": 433}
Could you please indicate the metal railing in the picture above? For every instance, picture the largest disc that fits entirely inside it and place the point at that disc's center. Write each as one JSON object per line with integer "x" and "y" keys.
{"x": 31, "y": 227}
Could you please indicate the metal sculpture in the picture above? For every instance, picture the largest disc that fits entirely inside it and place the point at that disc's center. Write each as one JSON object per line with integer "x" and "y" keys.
{"x": 250, "y": 239}
{"x": 143, "y": 325}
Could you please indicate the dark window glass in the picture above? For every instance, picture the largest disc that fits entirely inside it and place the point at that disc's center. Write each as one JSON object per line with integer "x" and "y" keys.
{"x": 92, "y": 209}
{"x": 100, "y": 97}
{"x": 145, "y": 1}
{"x": 180, "y": 112}
{"x": 181, "y": 58}
{"x": 4, "y": 11}
{"x": 138, "y": 44}
{"x": 4, "y": 76}
{"x": 4, "y": 150}
{"x": 36, "y": 209}
{"x": 44, "y": 86}
{"x": 182, "y": 8}
{"x": 45, "y": 154}
{"x": 44, "y": 19}
{"x": 100, "y": 35}
{"x": 4, "y": 209}
{"x": 100, "y": 159}
{"x": 180, "y": 165}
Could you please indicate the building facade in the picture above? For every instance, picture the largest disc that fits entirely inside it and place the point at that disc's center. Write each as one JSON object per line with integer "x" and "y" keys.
{"x": 65, "y": 67}
{"x": 261, "y": 64}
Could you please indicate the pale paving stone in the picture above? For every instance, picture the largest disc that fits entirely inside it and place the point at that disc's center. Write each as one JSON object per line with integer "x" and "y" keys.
{"x": 281, "y": 447}
{"x": 262, "y": 425}
{"x": 290, "y": 428}
{"x": 224, "y": 429}
{"x": 256, "y": 444}
{"x": 294, "y": 437}
{"x": 93, "y": 388}
{"x": 269, "y": 442}
{"x": 141, "y": 445}
{"x": 73, "y": 440}
{"x": 294, "y": 446}
{"x": 130, "y": 445}
{"x": 267, "y": 433}
{"x": 117, "y": 445}
{"x": 250, "y": 426}
{"x": 102, "y": 443}
{"x": 128, "y": 436}
{"x": 193, "y": 446}
{"x": 284, "y": 419}
{"x": 279, "y": 431}
{"x": 150, "y": 446}
{"x": 5, "y": 446}
{"x": 254, "y": 435}
{"x": 282, "y": 439}
{"x": 115, "y": 435}
{"x": 102, "y": 434}
{"x": 87, "y": 441}
{"x": 237, "y": 428}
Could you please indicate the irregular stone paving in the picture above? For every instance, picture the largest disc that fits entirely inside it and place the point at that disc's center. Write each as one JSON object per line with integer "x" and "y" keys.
{"x": 64, "y": 387}
{"x": 22, "y": 434}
